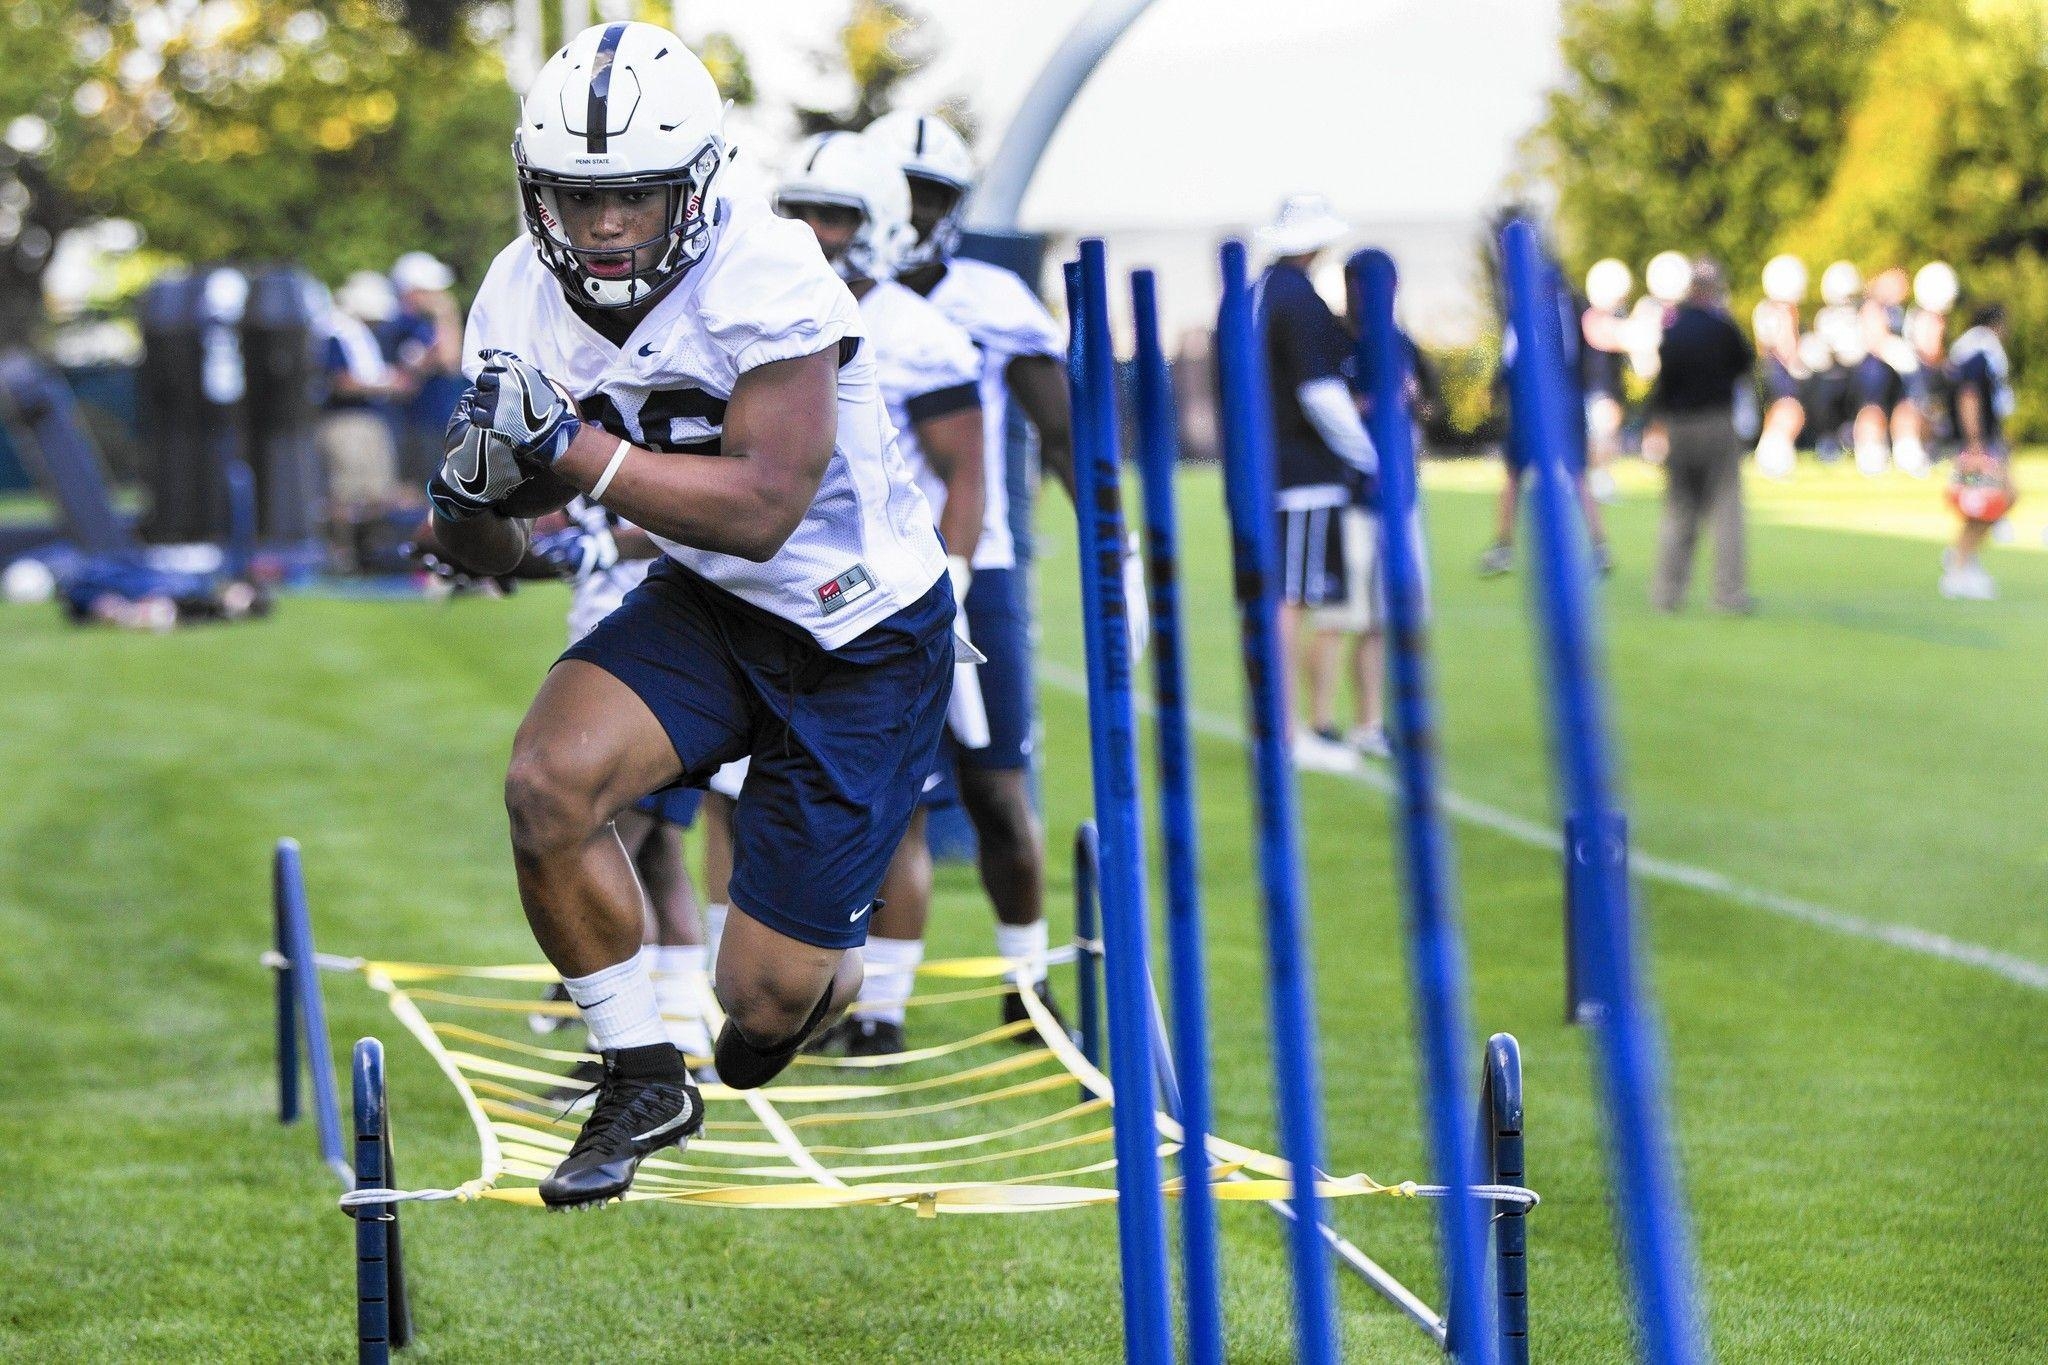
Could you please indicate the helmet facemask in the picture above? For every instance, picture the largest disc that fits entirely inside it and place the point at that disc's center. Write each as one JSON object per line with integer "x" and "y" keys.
{"x": 938, "y": 245}
{"x": 678, "y": 246}
{"x": 863, "y": 257}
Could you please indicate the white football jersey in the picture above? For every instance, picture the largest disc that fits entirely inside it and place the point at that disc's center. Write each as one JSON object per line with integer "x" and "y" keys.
{"x": 867, "y": 546}
{"x": 927, "y": 368}
{"x": 1006, "y": 320}
{"x": 599, "y": 595}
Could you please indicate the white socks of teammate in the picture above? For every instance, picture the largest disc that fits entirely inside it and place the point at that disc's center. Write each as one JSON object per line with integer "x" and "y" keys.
{"x": 1024, "y": 943}
{"x": 1776, "y": 456}
{"x": 679, "y": 985}
{"x": 618, "y": 1005}
{"x": 890, "y": 970}
{"x": 714, "y": 929}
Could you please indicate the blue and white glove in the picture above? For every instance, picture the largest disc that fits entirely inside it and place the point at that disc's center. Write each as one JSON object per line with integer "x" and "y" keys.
{"x": 478, "y": 469}
{"x": 578, "y": 552}
{"x": 523, "y": 408}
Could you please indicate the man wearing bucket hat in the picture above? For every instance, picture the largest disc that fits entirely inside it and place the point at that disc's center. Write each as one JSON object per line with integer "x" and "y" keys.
{"x": 1323, "y": 457}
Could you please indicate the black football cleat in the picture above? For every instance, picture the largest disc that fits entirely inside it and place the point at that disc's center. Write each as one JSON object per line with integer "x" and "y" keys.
{"x": 646, "y": 1101}
{"x": 1015, "y": 1013}
{"x": 854, "y": 1036}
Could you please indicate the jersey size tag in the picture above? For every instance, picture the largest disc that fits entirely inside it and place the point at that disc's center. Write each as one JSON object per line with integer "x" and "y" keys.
{"x": 844, "y": 590}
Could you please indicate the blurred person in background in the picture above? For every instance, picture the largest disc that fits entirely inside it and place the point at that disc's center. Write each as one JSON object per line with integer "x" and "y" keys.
{"x": 1887, "y": 423}
{"x": 1934, "y": 295}
{"x": 1775, "y": 324}
{"x": 354, "y": 434}
{"x": 423, "y": 341}
{"x": 1320, "y": 445}
{"x": 1604, "y": 338}
{"x": 1982, "y": 493}
{"x": 1701, "y": 360}
{"x": 1837, "y": 355}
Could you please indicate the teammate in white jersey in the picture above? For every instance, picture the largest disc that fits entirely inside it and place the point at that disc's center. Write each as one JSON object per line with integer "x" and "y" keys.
{"x": 856, "y": 202}
{"x": 1023, "y": 357}
{"x": 690, "y": 362}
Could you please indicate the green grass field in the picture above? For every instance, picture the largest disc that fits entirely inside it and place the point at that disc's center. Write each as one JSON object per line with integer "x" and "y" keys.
{"x": 1858, "y": 1121}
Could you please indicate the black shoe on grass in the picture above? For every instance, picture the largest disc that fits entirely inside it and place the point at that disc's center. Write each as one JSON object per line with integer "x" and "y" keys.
{"x": 1015, "y": 1013}
{"x": 645, "y": 1101}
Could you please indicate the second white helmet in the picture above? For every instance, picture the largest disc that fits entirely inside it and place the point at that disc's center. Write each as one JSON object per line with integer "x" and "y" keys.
{"x": 1840, "y": 283}
{"x": 1935, "y": 286}
{"x": 1785, "y": 279}
{"x": 927, "y": 148}
{"x": 849, "y": 171}
{"x": 1608, "y": 283}
{"x": 1668, "y": 276}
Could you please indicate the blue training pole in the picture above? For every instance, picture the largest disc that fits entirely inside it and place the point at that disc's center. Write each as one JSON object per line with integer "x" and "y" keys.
{"x": 1248, "y": 486}
{"x": 1088, "y": 930}
{"x": 1112, "y": 734}
{"x": 1436, "y": 948}
{"x": 1158, "y": 455}
{"x": 1651, "y": 1212}
{"x": 289, "y": 885}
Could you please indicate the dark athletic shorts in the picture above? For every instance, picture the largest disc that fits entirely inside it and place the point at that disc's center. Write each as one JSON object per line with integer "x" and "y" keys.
{"x": 1312, "y": 555}
{"x": 841, "y": 741}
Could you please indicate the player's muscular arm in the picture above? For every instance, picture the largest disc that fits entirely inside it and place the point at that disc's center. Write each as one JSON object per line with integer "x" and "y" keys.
{"x": 779, "y": 430}
{"x": 952, "y": 445}
{"x": 1040, "y": 384}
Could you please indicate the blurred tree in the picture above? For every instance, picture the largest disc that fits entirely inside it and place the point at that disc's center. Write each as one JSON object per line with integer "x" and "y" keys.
{"x": 882, "y": 43}
{"x": 1707, "y": 125}
{"x": 1946, "y": 158}
{"x": 321, "y": 133}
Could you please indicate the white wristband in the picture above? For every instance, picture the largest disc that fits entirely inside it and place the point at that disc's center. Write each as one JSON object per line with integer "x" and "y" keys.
{"x": 604, "y": 480}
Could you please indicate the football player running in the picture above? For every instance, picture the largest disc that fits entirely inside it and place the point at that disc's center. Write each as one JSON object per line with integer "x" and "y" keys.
{"x": 1022, "y": 357}
{"x": 854, "y": 199}
{"x": 801, "y": 615}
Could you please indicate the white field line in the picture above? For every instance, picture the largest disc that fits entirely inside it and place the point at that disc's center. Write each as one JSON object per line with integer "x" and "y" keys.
{"x": 2019, "y": 970}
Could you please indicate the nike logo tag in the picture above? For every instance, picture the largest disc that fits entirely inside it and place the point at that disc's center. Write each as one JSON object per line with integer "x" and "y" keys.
{"x": 648, "y": 349}
{"x": 855, "y": 917}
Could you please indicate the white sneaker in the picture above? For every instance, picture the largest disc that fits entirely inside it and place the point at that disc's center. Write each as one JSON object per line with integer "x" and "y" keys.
{"x": 1315, "y": 754}
{"x": 1600, "y": 483}
{"x": 1911, "y": 456}
{"x": 1872, "y": 457}
{"x": 1370, "y": 741}
{"x": 1776, "y": 458}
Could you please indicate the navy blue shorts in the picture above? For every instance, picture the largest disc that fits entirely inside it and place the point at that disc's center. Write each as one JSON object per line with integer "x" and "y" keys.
{"x": 672, "y": 805}
{"x": 841, "y": 740}
{"x": 1877, "y": 384}
{"x": 1779, "y": 382}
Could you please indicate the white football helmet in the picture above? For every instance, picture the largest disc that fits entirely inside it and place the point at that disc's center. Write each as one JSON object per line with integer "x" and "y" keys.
{"x": 847, "y": 170}
{"x": 622, "y": 107}
{"x": 1840, "y": 283}
{"x": 1608, "y": 283}
{"x": 1935, "y": 286}
{"x": 1668, "y": 276}
{"x": 1785, "y": 279}
{"x": 927, "y": 148}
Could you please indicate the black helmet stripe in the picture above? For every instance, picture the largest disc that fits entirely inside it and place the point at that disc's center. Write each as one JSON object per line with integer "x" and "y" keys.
{"x": 598, "y": 114}
{"x": 919, "y": 151}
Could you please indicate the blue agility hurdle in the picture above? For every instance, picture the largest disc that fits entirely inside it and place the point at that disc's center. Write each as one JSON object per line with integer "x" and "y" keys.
{"x": 383, "y": 1315}
{"x": 1651, "y": 1221}
{"x": 1112, "y": 734}
{"x": 1435, "y": 942}
{"x": 1158, "y": 454}
{"x": 301, "y": 1010}
{"x": 1248, "y": 481}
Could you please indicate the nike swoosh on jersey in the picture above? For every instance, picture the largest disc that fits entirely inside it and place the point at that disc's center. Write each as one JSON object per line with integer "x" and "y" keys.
{"x": 647, "y": 349}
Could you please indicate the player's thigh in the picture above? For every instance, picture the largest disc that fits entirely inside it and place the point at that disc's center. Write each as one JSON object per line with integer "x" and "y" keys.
{"x": 588, "y": 744}
{"x": 665, "y": 648}
{"x": 831, "y": 789}
{"x": 759, "y": 965}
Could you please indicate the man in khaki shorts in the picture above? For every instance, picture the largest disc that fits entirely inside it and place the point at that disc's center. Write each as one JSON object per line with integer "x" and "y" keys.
{"x": 1360, "y": 617}
{"x": 354, "y": 438}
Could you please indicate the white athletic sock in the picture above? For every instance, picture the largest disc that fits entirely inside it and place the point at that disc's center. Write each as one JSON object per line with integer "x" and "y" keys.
{"x": 714, "y": 929}
{"x": 678, "y": 989}
{"x": 891, "y": 965}
{"x": 1024, "y": 943}
{"x": 618, "y": 1005}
